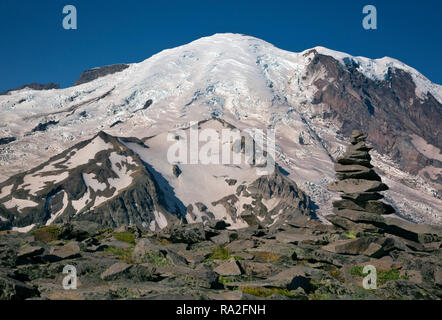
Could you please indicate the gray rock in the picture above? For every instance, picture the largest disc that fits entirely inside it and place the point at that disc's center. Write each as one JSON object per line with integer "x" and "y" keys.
{"x": 258, "y": 269}
{"x": 11, "y": 289}
{"x": 240, "y": 245}
{"x": 357, "y": 186}
{"x": 363, "y": 196}
{"x": 189, "y": 234}
{"x": 228, "y": 268}
{"x": 30, "y": 251}
{"x": 217, "y": 224}
{"x": 221, "y": 239}
{"x": 115, "y": 271}
{"x": 351, "y": 246}
{"x": 71, "y": 250}
{"x": 371, "y": 206}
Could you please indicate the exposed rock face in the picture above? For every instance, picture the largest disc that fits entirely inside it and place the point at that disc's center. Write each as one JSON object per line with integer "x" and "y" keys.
{"x": 98, "y": 180}
{"x": 112, "y": 182}
{"x": 388, "y": 110}
{"x": 90, "y": 75}
{"x": 358, "y": 182}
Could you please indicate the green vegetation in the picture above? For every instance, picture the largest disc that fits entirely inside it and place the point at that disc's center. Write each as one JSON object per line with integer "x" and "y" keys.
{"x": 219, "y": 253}
{"x": 350, "y": 235}
{"x": 382, "y": 275}
{"x": 125, "y": 293}
{"x": 319, "y": 296}
{"x": 266, "y": 256}
{"x": 103, "y": 233}
{"x": 357, "y": 271}
{"x": 46, "y": 234}
{"x": 223, "y": 280}
{"x": 157, "y": 259}
{"x": 125, "y": 236}
{"x": 124, "y": 254}
{"x": 266, "y": 292}
{"x": 164, "y": 242}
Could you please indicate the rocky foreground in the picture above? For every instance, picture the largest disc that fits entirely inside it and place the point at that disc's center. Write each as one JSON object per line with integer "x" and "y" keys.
{"x": 301, "y": 260}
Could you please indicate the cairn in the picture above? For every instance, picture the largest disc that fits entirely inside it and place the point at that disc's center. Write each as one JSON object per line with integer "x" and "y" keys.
{"x": 358, "y": 182}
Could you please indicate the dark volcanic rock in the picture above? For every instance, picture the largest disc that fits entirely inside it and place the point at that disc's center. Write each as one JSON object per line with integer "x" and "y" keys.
{"x": 360, "y": 210}
{"x": 251, "y": 269}
{"x": 44, "y": 126}
{"x": 359, "y": 183}
{"x": 90, "y": 75}
{"x": 388, "y": 110}
{"x": 7, "y": 140}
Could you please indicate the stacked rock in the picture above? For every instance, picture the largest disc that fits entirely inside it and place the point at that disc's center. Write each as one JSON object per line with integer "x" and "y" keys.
{"x": 358, "y": 182}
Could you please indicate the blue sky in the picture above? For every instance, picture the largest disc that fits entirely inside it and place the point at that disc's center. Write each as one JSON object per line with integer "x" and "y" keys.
{"x": 35, "y": 47}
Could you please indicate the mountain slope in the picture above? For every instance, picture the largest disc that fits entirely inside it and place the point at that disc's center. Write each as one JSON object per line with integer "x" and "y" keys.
{"x": 97, "y": 180}
{"x": 125, "y": 181}
{"x": 313, "y": 99}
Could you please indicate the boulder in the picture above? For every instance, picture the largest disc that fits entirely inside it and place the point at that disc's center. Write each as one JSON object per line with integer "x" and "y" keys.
{"x": 228, "y": 268}
{"x": 217, "y": 224}
{"x": 190, "y": 234}
{"x": 241, "y": 245}
{"x": 115, "y": 271}
{"x": 258, "y": 269}
{"x": 221, "y": 239}
{"x": 28, "y": 252}
{"x": 71, "y": 250}
{"x": 351, "y": 246}
{"x": 11, "y": 289}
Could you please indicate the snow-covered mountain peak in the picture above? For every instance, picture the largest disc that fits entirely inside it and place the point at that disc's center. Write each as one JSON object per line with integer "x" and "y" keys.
{"x": 247, "y": 82}
{"x": 377, "y": 69}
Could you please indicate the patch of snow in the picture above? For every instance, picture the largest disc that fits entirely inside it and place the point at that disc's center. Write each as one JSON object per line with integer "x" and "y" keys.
{"x": 160, "y": 219}
{"x": 82, "y": 202}
{"x": 93, "y": 183}
{"x": 19, "y": 204}
{"x": 23, "y": 229}
{"x": 87, "y": 153}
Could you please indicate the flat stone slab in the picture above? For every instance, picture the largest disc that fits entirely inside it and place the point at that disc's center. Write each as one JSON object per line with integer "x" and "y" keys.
{"x": 30, "y": 251}
{"x": 240, "y": 245}
{"x": 258, "y": 269}
{"x": 115, "y": 271}
{"x": 351, "y": 246}
{"x": 371, "y": 206}
{"x": 357, "y": 186}
{"x": 293, "y": 237}
{"x": 228, "y": 268}
{"x": 363, "y": 196}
